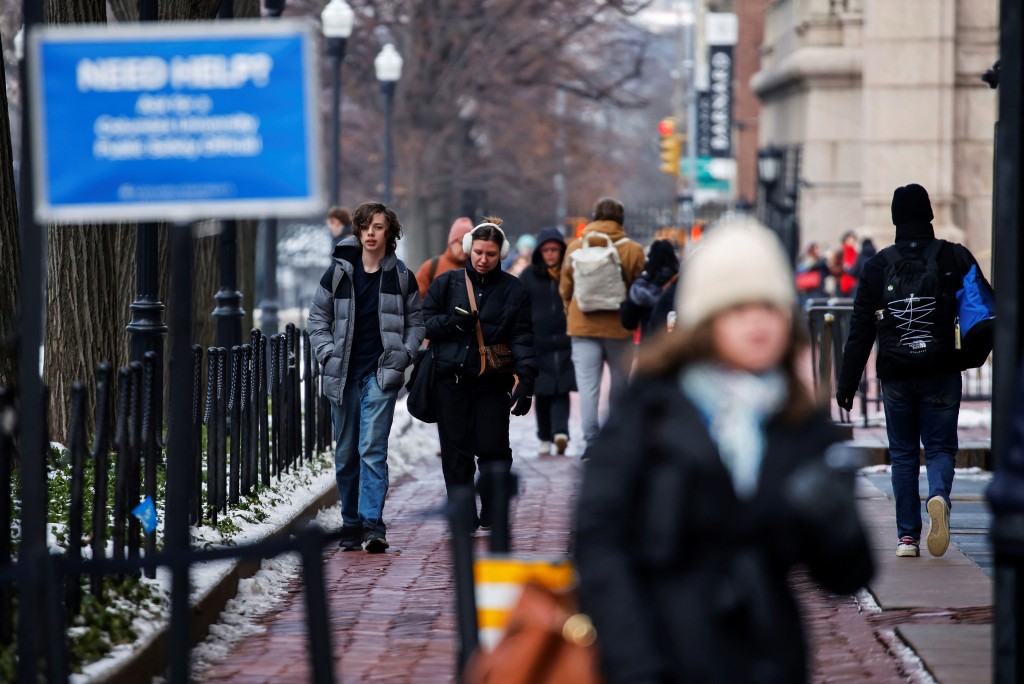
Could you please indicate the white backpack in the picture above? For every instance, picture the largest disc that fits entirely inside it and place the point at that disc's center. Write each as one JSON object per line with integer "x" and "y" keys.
{"x": 597, "y": 272}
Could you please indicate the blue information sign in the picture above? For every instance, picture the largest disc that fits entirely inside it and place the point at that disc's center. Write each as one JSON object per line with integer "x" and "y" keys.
{"x": 175, "y": 121}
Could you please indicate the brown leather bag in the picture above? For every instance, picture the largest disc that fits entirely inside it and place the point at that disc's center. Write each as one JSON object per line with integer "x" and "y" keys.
{"x": 495, "y": 358}
{"x": 545, "y": 642}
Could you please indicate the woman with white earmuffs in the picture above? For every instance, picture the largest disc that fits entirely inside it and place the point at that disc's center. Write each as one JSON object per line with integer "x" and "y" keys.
{"x": 481, "y": 333}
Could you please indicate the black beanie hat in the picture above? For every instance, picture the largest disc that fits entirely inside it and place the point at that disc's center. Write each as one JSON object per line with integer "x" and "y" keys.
{"x": 910, "y": 204}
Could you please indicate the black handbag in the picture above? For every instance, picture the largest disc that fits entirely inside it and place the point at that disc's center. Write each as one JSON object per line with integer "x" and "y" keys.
{"x": 420, "y": 402}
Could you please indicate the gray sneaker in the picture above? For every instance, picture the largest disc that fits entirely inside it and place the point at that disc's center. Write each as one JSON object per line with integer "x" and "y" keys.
{"x": 938, "y": 534}
{"x": 376, "y": 543}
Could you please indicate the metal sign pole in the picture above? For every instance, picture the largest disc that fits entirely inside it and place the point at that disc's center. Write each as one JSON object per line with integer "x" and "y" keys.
{"x": 32, "y": 552}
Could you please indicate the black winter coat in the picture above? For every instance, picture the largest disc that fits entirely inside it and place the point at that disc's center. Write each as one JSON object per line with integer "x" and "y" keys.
{"x": 556, "y": 374}
{"x": 684, "y": 581}
{"x": 913, "y": 238}
{"x": 504, "y": 306}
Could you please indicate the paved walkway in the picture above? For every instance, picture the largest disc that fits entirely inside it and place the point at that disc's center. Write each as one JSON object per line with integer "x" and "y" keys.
{"x": 393, "y": 615}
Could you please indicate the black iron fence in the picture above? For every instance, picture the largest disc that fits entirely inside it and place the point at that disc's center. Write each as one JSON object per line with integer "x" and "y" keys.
{"x": 264, "y": 413}
{"x": 828, "y": 322}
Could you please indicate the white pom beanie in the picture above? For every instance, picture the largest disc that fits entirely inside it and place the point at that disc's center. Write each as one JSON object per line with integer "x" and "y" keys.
{"x": 738, "y": 262}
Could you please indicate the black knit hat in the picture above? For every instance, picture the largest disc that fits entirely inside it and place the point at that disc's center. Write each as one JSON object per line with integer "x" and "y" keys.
{"x": 910, "y": 204}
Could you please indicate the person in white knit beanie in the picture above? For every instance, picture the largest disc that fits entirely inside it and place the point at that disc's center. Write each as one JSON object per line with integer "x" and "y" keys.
{"x": 708, "y": 485}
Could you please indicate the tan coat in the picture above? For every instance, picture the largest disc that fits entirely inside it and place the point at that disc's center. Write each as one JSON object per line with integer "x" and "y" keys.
{"x": 600, "y": 323}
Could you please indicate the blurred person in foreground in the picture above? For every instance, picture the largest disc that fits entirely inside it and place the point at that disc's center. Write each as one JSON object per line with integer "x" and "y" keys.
{"x": 365, "y": 325}
{"x": 473, "y": 407}
{"x": 453, "y": 256}
{"x": 709, "y": 483}
{"x": 555, "y": 375}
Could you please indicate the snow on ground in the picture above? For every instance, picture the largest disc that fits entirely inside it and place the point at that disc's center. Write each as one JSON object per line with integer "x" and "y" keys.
{"x": 411, "y": 442}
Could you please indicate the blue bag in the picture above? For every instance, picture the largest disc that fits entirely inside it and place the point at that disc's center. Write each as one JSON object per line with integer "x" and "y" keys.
{"x": 976, "y": 310}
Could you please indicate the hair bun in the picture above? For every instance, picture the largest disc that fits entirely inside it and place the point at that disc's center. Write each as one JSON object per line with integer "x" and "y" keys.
{"x": 492, "y": 219}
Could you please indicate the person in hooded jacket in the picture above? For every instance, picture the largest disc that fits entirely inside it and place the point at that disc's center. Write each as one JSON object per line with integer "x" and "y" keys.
{"x": 712, "y": 479}
{"x": 660, "y": 271}
{"x": 473, "y": 408}
{"x": 556, "y": 377}
{"x": 365, "y": 326}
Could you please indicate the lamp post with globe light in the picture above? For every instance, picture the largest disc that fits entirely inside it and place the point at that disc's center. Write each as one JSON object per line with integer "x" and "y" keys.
{"x": 337, "y": 20}
{"x": 388, "y": 65}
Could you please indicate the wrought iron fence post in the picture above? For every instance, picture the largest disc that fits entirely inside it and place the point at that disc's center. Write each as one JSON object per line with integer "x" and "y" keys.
{"x": 76, "y": 449}
{"x": 195, "y": 494}
{"x": 100, "y": 460}
{"x": 121, "y": 447}
{"x": 210, "y": 418}
{"x": 222, "y": 429}
{"x": 311, "y": 546}
{"x": 261, "y": 404}
{"x": 134, "y": 459}
{"x": 149, "y": 446}
{"x": 309, "y": 409}
{"x": 275, "y": 402}
{"x": 234, "y": 414}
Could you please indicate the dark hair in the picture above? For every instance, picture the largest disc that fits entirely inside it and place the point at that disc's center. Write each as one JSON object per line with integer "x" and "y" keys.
{"x": 340, "y": 213}
{"x": 609, "y": 209}
{"x": 489, "y": 233}
{"x": 364, "y": 214}
{"x": 669, "y": 352}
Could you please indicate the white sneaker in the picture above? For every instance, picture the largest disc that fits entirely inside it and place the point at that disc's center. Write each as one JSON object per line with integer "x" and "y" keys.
{"x": 561, "y": 442}
{"x": 545, "y": 449}
{"x": 938, "y": 534}
{"x": 908, "y": 547}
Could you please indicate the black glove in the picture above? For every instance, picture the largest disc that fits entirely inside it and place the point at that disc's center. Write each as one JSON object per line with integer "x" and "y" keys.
{"x": 521, "y": 399}
{"x": 465, "y": 321}
{"x": 845, "y": 400}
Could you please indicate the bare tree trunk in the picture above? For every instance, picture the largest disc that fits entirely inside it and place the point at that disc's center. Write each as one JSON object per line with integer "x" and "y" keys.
{"x": 10, "y": 257}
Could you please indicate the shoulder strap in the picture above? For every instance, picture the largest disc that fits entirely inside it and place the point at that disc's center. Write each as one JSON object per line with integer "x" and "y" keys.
{"x": 338, "y": 272}
{"x": 931, "y": 252}
{"x": 479, "y": 330}
{"x": 891, "y": 255}
{"x": 622, "y": 241}
{"x": 403, "y": 280}
{"x": 433, "y": 268}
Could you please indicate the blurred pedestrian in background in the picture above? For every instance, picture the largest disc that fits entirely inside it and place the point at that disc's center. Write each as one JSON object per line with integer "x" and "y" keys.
{"x": 661, "y": 270}
{"x": 708, "y": 485}
{"x": 556, "y": 377}
{"x": 365, "y": 326}
{"x": 339, "y": 222}
{"x": 847, "y": 264}
{"x": 867, "y": 250}
{"x": 811, "y": 273}
{"x": 597, "y": 335}
{"x": 473, "y": 406}
{"x": 518, "y": 261}
{"x": 453, "y": 256}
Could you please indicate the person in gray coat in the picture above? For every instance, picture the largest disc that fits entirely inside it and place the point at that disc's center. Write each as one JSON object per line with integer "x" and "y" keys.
{"x": 365, "y": 325}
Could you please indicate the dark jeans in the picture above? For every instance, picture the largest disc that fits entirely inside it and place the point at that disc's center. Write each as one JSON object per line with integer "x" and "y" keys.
{"x": 552, "y": 415}
{"x": 472, "y": 424}
{"x": 921, "y": 411}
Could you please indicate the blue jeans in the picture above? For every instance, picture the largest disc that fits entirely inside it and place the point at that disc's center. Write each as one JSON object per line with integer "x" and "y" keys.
{"x": 362, "y": 424}
{"x": 921, "y": 411}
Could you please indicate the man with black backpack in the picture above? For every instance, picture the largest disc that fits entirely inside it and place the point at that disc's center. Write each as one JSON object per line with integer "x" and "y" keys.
{"x": 908, "y": 299}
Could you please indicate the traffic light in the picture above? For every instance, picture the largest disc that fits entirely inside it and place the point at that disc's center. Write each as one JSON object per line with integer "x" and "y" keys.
{"x": 671, "y": 146}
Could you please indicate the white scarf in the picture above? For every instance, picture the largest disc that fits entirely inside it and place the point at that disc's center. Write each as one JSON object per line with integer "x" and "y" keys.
{"x": 736, "y": 405}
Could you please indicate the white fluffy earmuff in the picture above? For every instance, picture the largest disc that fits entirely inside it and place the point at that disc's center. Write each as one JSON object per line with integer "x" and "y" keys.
{"x": 467, "y": 240}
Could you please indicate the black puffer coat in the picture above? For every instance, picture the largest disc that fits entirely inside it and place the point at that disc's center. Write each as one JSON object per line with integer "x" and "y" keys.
{"x": 556, "y": 374}
{"x": 504, "y": 306}
{"x": 686, "y": 582}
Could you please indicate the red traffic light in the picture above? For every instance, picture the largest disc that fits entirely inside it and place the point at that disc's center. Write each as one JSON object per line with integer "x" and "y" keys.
{"x": 667, "y": 126}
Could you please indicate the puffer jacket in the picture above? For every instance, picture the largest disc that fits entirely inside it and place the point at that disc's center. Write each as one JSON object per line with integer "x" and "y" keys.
{"x": 555, "y": 372}
{"x": 504, "y": 306}
{"x": 401, "y": 320}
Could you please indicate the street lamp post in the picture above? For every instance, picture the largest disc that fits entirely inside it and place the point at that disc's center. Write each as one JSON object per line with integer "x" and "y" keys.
{"x": 269, "y": 320}
{"x": 778, "y": 215}
{"x": 388, "y": 64}
{"x": 147, "y": 326}
{"x": 337, "y": 20}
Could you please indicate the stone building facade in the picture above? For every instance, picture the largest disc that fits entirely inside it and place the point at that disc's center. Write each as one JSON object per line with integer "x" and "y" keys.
{"x": 872, "y": 94}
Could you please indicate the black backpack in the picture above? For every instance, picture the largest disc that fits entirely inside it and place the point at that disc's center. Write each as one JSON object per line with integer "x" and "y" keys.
{"x": 916, "y": 326}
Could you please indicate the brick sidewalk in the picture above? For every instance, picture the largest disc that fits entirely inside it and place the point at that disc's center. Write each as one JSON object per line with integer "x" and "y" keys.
{"x": 393, "y": 615}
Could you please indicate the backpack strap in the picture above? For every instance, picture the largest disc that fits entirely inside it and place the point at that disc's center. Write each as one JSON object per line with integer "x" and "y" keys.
{"x": 403, "y": 280}
{"x": 891, "y": 255}
{"x": 931, "y": 252}
{"x": 433, "y": 268}
{"x": 338, "y": 272}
